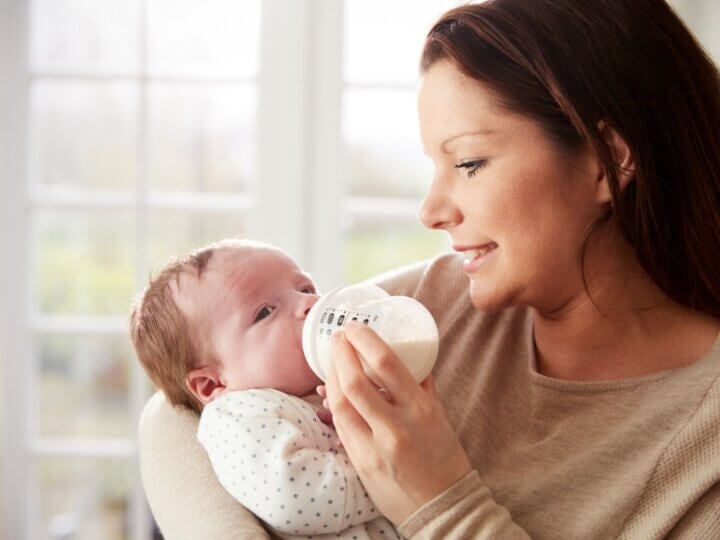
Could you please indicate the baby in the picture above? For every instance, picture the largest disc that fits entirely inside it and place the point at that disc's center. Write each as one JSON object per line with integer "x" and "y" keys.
{"x": 220, "y": 331}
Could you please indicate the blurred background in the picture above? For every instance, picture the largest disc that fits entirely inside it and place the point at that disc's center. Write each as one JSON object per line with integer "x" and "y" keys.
{"x": 134, "y": 130}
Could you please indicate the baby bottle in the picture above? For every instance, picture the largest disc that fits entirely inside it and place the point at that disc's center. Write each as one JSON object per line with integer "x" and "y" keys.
{"x": 402, "y": 322}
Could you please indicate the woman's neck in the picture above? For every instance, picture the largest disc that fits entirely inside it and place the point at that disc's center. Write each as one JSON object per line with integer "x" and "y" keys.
{"x": 622, "y": 326}
{"x": 591, "y": 347}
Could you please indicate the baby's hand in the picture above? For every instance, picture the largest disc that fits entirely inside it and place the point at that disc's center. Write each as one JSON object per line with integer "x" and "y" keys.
{"x": 324, "y": 414}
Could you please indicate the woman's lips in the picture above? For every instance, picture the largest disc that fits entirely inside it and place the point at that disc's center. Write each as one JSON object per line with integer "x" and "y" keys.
{"x": 475, "y": 257}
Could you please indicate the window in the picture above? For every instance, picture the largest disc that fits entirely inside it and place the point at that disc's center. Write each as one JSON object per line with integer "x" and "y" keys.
{"x": 134, "y": 129}
{"x": 386, "y": 171}
{"x": 137, "y": 129}
{"x": 140, "y": 121}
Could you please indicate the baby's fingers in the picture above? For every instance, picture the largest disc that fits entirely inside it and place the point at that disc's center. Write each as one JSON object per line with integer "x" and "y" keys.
{"x": 325, "y": 416}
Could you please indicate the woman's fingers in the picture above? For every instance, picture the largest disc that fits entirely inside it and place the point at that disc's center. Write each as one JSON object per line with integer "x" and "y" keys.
{"x": 390, "y": 373}
{"x": 405, "y": 452}
{"x": 429, "y": 386}
{"x": 351, "y": 427}
{"x": 355, "y": 386}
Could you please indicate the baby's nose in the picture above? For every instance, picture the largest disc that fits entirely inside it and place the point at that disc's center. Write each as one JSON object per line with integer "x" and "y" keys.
{"x": 306, "y": 304}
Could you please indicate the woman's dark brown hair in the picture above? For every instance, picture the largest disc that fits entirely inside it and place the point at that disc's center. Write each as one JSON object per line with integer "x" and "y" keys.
{"x": 576, "y": 65}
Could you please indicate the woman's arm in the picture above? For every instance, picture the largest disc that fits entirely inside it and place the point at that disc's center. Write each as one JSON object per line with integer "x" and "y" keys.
{"x": 185, "y": 497}
{"x": 404, "y": 450}
{"x": 467, "y": 507}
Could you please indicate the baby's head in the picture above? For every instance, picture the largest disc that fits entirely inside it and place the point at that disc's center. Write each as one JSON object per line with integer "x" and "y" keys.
{"x": 228, "y": 316}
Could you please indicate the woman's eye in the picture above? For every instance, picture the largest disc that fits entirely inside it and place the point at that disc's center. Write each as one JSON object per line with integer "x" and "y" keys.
{"x": 472, "y": 166}
{"x": 263, "y": 313}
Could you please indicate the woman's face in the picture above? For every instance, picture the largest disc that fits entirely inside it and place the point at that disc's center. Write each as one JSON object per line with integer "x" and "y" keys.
{"x": 514, "y": 204}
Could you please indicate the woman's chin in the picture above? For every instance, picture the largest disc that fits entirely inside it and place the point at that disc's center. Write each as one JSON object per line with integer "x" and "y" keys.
{"x": 488, "y": 300}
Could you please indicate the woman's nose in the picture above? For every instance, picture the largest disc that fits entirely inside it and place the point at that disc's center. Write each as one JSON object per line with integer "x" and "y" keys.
{"x": 438, "y": 211}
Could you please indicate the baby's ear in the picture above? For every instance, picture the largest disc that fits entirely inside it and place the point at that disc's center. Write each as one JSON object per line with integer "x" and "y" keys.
{"x": 205, "y": 383}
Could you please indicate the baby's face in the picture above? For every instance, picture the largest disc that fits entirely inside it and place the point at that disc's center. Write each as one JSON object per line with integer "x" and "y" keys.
{"x": 252, "y": 302}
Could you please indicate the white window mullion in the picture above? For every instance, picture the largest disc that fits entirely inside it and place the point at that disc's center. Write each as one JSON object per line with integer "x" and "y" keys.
{"x": 299, "y": 184}
{"x": 15, "y": 340}
{"x": 326, "y": 176}
{"x": 90, "y": 448}
{"x": 281, "y": 127}
{"x": 140, "y": 518}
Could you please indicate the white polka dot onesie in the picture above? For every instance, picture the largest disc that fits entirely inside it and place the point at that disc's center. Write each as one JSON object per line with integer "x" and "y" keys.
{"x": 271, "y": 453}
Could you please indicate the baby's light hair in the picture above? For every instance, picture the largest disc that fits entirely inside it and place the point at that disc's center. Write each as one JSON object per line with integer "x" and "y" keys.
{"x": 166, "y": 344}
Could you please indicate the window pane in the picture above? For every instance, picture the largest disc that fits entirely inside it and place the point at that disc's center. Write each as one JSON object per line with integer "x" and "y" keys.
{"x": 201, "y": 138}
{"x": 82, "y": 499}
{"x": 83, "y": 134}
{"x": 385, "y": 159}
{"x": 375, "y": 245}
{"x": 83, "y": 386}
{"x": 83, "y": 262}
{"x": 85, "y": 35}
{"x": 370, "y": 25}
{"x": 213, "y": 37}
{"x": 176, "y": 232}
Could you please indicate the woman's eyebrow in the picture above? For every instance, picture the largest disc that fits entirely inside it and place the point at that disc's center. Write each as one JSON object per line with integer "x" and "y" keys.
{"x": 475, "y": 133}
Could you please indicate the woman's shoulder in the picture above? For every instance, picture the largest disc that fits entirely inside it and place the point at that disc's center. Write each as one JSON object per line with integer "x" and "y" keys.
{"x": 427, "y": 277}
{"x": 441, "y": 286}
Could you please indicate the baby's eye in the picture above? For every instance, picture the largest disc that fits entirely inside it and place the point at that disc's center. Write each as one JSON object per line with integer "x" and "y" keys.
{"x": 264, "y": 312}
{"x": 308, "y": 290}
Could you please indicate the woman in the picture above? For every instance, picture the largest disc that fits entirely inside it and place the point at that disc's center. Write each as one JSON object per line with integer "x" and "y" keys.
{"x": 576, "y": 153}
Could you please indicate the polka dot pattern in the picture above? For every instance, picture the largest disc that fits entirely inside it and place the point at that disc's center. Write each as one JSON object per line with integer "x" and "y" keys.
{"x": 271, "y": 452}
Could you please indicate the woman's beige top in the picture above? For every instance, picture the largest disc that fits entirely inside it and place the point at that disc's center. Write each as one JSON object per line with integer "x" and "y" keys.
{"x": 637, "y": 458}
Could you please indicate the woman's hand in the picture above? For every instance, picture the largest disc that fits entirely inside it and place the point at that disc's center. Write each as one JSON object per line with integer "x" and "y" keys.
{"x": 400, "y": 443}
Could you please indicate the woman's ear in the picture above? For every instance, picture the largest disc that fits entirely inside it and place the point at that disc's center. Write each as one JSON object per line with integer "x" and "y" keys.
{"x": 205, "y": 383}
{"x": 624, "y": 160}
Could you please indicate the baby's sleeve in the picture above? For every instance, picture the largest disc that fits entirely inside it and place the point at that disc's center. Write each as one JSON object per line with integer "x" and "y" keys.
{"x": 271, "y": 453}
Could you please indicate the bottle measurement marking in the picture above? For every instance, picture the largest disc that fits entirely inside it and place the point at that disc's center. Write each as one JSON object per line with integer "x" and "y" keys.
{"x": 334, "y": 317}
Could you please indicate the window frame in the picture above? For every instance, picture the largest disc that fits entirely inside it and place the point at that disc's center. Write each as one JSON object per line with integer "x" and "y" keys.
{"x": 15, "y": 340}
{"x": 300, "y": 153}
{"x": 295, "y": 34}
